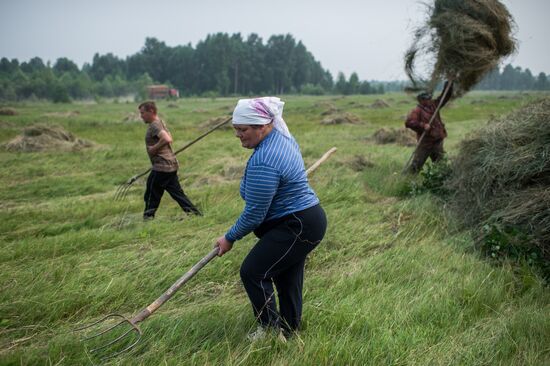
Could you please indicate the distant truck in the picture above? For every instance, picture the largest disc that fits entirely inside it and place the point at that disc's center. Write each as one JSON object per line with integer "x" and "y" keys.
{"x": 162, "y": 92}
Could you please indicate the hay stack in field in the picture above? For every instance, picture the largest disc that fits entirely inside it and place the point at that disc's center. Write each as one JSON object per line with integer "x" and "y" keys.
{"x": 132, "y": 117}
{"x": 331, "y": 110}
{"x": 359, "y": 163}
{"x": 5, "y": 111}
{"x": 501, "y": 175}
{"x": 340, "y": 118}
{"x": 464, "y": 39}
{"x": 42, "y": 138}
{"x": 400, "y": 136}
{"x": 379, "y": 103}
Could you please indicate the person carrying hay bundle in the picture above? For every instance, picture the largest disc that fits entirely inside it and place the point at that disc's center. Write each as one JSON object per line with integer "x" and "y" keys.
{"x": 460, "y": 41}
{"x": 429, "y": 136}
{"x": 164, "y": 173}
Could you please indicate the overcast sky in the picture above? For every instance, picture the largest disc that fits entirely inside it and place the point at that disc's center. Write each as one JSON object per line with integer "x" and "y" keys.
{"x": 369, "y": 37}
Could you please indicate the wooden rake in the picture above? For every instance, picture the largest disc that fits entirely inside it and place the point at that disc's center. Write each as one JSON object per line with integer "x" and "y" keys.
{"x": 123, "y": 333}
{"x": 123, "y": 189}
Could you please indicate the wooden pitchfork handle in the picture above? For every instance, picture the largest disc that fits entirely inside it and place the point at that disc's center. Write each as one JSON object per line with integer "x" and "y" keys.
{"x": 136, "y": 177}
{"x": 445, "y": 92}
{"x": 145, "y": 313}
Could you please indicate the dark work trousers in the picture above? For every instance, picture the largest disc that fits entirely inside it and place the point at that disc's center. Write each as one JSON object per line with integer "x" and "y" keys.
{"x": 432, "y": 150}
{"x": 157, "y": 183}
{"x": 279, "y": 258}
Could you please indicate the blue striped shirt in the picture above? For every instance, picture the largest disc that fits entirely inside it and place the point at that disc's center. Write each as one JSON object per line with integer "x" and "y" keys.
{"x": 274, "y": 184}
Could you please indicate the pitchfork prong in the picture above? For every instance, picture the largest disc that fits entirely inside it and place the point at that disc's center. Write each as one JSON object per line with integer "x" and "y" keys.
{"x": 105, "y": 331}
{"x": 112, "y": 315}
{"x": 121, "y": 191}
{"x": 134, "y": 328}
{"x": 116, "y": 339}
{"x": 125, "y": 349}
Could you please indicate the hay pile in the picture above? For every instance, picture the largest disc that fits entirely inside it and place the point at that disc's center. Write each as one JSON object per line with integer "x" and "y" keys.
{"x": 43, "y": 138}
{"x": 359, "y": 163}
{"x": 379, "y": 103}
{"x": 502, "y": 175}
{"x": 7, "y": 111}
{"x": 132, "y": 117}
{"x": 340, "y": 118}
{"x": 400, "y": 136}
{"x": 462, "y": 39}
{"x": 331, "y": 110}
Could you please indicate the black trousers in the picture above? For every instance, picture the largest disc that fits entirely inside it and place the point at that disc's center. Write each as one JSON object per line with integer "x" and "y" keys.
{"x": 424, "y": 151}
{"x": 279, "y": 258}
{"x": 157, "y": 183}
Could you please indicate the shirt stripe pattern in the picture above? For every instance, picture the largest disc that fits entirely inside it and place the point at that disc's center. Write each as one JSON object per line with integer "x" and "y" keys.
{"x": 274, "y": 184}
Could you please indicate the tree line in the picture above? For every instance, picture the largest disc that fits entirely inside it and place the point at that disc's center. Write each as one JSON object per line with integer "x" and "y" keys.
{"x": 514, "y": 78}
{"x": 220, "y": 65}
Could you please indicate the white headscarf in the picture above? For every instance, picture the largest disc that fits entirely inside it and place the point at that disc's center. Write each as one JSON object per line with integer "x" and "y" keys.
{"x": 261, "y": 111}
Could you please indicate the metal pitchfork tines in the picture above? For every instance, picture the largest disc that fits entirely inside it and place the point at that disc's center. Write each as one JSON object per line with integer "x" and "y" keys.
{"x": 123, "y": 333}
{"x": 123, "y": 189}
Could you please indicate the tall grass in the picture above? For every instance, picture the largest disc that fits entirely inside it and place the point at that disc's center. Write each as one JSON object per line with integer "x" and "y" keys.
{"x": 394, "y": 282}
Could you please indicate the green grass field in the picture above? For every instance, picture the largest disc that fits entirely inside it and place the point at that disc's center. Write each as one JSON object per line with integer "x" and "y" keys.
{"x": 395, "y": 282}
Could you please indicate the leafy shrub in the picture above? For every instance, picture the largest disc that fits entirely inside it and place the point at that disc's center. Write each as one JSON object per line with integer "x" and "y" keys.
{"x": 433, "y": 179}
{"x": 311, "y": 89}
{"x": 60, "y": 95}
{"x": 500, "y": 242}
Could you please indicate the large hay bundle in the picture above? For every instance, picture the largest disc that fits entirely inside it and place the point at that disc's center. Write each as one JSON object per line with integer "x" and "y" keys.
{"x": 461, "y": 39}
{"x": 379, "y": 103}
{"x": 340, "y": 118}
{"x": 5, "y": 111}
{"x": 42, "y": 138}
{"x": 502, "y": 174}
{"x": 400, "y": 136}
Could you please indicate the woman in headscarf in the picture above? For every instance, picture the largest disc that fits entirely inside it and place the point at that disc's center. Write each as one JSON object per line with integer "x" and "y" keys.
{"x": 281, "y": 209}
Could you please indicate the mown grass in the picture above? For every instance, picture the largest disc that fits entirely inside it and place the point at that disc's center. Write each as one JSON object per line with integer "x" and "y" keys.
{"x": 393, "y": 283}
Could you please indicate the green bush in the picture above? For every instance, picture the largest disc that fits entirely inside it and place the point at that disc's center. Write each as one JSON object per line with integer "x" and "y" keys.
{"x": 311, "y": 89}
{"x": 432, "y": 179}
{"x": 500, "y": 242}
